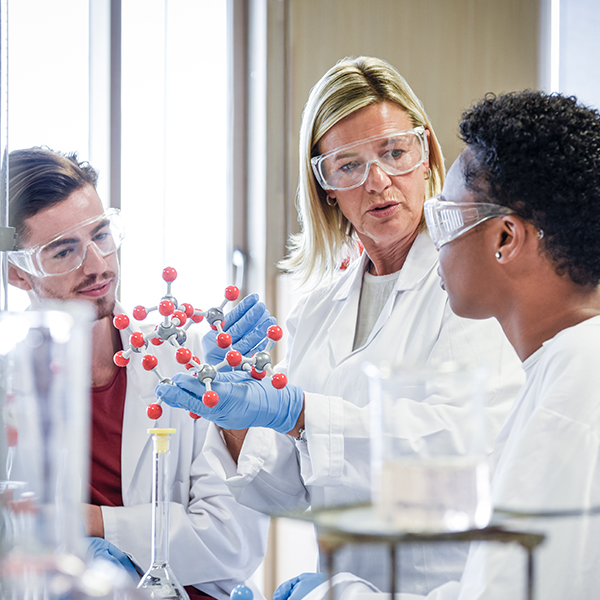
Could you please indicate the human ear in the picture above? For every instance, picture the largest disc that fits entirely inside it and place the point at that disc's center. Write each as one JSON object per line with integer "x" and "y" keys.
{"x": 510, "y": 238}
{"x": 19, "y": 278}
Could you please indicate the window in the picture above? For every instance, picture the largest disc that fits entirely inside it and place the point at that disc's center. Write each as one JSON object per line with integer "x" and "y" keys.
{"x": 174, "y": 127}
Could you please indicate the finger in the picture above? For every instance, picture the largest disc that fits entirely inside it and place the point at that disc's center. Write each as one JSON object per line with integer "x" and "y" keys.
{"x": 232, "y": 376}
{"x": 178, "y": 398}
{"x": 245, "y": 322}
{"x": 284, "y": 590}
{"x": 252, "y": 339}
{"x": 238, "y": 311}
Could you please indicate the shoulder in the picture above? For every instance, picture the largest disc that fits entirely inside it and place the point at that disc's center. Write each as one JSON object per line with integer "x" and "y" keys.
{"x": 566, "y": 376}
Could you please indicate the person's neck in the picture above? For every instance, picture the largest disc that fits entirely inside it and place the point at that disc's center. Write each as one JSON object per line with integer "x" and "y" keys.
{"x": 539, "y": 318}
{"x": 391, "y": 258}
{"x": 105, "y": 342}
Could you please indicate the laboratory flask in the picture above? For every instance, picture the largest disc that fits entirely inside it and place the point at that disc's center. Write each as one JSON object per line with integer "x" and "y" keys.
{"x": 159, "y": 581}
{"x": 429, "y": 466}
{"x": 45, "y": 358}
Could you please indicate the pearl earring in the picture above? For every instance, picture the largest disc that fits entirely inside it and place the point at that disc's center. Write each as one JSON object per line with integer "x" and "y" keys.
{"x": 498, "y": 255}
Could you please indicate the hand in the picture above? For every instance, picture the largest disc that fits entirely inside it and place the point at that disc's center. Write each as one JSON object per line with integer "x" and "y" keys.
{"x": 100, "y": 549}
{"x": 298, "y": 587}
{"x": 243, "y": 401}
{"x": 247, "y": 325}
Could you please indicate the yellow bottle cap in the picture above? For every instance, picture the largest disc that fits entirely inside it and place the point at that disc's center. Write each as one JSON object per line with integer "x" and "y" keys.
{"x": 161, "y": 438}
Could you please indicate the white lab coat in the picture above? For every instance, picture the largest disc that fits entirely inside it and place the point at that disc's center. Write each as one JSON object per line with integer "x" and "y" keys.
{"x": 276, "y": 474}
{"x": 548, "y": 460}
{"x": 215, "y": 543}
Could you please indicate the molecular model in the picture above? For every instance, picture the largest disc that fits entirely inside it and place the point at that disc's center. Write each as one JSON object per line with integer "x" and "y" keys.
{"x": 177, "y": 318}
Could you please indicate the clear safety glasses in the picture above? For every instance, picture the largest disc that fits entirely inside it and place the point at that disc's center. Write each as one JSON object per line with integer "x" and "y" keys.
{"x": 395, "y": 153}
{"x": 448, "y": 220}
{"x": 67, "y": 251}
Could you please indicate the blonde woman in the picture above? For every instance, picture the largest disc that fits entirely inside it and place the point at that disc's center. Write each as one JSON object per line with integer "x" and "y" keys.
{"x": 368, "y": 160}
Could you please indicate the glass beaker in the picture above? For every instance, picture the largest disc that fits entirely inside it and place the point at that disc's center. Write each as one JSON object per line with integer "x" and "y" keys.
{"x": 428, "y": 447}
{"x": 45, "y": 360}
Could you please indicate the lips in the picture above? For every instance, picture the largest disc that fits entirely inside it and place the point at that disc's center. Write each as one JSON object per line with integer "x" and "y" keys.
{"x": 96, "y": 290}
{"x": 383, "y": 210}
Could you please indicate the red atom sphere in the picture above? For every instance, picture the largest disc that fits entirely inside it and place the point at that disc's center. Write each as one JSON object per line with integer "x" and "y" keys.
{"x": 120, "y": 360}
{"x": 279, "y": 380}
{"x": 166, "y": 308}
{"x": 139, "y": 313}
{"x": 154, "y": 411}
{"x": 275, "y": 333}
{"x": 232, "y": 293}
{"x": 197, "y": 318}
{"x": 181, "y": 316}
{"x": 169, "y": 274}
{"x": 156, "y": 341}
{"x": 149, "y": 362}
{"x": 223, "y": 340}
{"x": 194, "y": 415}
{"x": 194, "y": 362}
{"x": 210, "y": 398}
{"x": 257, "y": 375}
{"x": 137, "y": 340}
{"x": 188, "y": 308}
{"x": 183, "y": 356}
{"x": 234, "y": 358}
{"x": 121, "y": 321}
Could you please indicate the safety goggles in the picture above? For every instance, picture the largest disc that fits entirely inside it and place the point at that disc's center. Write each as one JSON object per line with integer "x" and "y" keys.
{"x": 448, "y": 220}
{"x": 67, "y": 251}
{"x": 347, "y": 167}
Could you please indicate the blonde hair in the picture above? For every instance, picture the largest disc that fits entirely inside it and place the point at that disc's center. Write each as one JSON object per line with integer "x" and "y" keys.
{"x": 353, "y": 83}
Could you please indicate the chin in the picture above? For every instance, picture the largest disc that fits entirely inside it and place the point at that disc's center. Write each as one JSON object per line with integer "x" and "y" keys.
{"x": 104, "y": 308}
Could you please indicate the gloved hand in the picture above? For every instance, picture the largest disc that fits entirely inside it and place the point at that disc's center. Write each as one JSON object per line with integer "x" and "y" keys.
{"x": 247, "y": 324}
{"x": 243, "y": 401}
{"x": 298, "y": 587}
{"x": 99, "y": 548}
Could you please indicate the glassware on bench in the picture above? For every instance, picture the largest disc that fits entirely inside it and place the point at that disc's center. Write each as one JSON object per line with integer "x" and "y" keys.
{"x": 437, "y": 480}
{"x": 159, "y": 580}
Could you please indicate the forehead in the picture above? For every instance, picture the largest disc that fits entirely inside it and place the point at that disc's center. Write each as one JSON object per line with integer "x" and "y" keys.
{"x": 49, "y": 223}
{"x": 370, "y": 121}
{"x": 454, "y": 189}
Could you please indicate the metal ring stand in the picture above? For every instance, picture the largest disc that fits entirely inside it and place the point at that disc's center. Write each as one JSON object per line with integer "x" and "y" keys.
{"x": 342, "y": 526}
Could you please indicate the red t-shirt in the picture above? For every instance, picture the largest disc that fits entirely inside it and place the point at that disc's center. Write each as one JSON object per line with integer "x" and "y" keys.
{"x": 108, "y": 404}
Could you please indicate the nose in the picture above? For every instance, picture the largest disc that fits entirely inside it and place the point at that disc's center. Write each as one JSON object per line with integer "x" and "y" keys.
{"x": 93, "y": 261}
{"x": 377, "y": 179}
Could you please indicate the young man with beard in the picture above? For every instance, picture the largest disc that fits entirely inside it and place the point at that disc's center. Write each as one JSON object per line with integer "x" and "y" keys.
{"x": 68, "y": 246}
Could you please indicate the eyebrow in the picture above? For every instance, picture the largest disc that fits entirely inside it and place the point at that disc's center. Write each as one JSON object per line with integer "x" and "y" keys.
{"x": 66, "y": 241}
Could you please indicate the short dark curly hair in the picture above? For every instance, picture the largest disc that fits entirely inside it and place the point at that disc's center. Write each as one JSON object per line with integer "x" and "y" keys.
{"x": 539, "y": 154}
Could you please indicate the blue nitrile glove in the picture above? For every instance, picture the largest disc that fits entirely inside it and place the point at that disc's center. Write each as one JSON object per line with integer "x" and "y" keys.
{"x": 99, "y": 548}
{"x": 247, "y": 324}
{"x": 243, "y": 401}
{"x": 298, "y": 587}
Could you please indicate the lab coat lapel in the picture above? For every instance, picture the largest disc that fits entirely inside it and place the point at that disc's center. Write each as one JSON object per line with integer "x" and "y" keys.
{"x": 347, "y": 297}
{"x": 136, "y": 442}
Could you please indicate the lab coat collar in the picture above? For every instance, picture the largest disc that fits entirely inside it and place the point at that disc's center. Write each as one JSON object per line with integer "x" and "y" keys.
{"x": 422, "y": 257}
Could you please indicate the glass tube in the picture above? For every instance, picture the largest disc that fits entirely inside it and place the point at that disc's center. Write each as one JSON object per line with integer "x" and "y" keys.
{"x": 159, "y": 579}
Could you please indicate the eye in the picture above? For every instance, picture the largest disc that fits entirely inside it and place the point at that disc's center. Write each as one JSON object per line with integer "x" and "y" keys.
{"x": 396, "y": 153}
{"x": 63, "y": 253}
{"x": 349, "y": 167}
{"x": 100, "y": 237}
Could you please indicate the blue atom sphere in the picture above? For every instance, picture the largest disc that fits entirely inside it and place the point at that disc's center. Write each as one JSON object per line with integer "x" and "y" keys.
{"x": 241, "y": 592}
